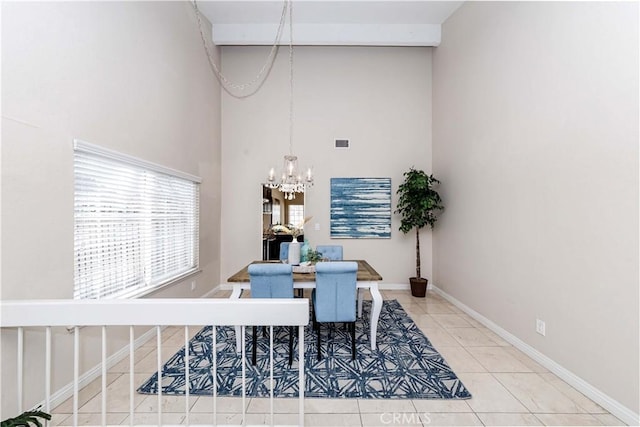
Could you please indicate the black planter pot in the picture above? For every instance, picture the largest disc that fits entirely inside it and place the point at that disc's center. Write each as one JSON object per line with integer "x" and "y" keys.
{"x": 418, "y": 286}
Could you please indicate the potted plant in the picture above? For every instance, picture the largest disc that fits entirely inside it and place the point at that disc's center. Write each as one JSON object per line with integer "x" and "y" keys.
{"x": 26, "y": 419}
{"x": 418, "y": 204}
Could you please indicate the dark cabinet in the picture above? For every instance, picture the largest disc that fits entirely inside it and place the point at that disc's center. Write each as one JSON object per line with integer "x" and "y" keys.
{"x": 271, "y": 249}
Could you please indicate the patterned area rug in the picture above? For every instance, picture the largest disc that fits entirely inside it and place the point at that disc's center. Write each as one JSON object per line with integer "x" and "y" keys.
{"x": 404, "y": 366}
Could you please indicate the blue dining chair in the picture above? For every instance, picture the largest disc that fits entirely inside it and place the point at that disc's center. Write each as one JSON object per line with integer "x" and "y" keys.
{"x": 284, "y": 251}
{"x": 271, "y": 281}
{"x": 334, "y": 298}
{"x": 331, "y": 252}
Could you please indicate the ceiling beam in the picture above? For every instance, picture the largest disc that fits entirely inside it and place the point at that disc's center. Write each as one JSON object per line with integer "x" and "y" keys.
{"x": 330, "y": 34}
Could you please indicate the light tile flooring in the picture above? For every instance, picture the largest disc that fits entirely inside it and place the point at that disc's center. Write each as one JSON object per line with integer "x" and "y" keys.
{"x": 508, "y": 387}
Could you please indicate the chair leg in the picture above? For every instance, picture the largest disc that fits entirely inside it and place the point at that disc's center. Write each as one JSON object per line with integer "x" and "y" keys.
{"x": 313, "y": 318}
{"x": 290, "y": 345}
{"x": 254, "y": 340}
{"x": 319, "y": 344}
{"x": 353, "y": 340}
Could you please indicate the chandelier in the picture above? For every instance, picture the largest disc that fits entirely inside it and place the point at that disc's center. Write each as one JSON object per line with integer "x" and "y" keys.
{"x": 291, "y": 180}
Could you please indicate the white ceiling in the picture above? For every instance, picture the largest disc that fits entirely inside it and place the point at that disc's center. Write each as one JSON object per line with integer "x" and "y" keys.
{"x": 329, "y": 22}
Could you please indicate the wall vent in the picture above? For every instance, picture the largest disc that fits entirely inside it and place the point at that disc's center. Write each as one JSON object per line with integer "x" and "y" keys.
{"x": 342, "y": 143}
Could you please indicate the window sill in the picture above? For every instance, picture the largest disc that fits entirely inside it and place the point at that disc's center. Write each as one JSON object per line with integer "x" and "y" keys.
{"x": 174, "y": 281}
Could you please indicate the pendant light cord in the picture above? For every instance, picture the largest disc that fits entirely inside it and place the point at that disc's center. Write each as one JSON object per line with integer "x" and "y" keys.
{"x": 256, "y": 83}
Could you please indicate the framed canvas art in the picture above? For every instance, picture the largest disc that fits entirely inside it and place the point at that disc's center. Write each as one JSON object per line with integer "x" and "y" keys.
{"x": 360, "y": 208}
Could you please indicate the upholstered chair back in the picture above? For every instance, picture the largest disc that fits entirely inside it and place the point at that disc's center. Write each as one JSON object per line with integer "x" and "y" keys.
{"x": 284, "y": 251}
{"x": 331, "y": 252}
{"x": 271, "y": 280}
{"x": 335, "y": 293}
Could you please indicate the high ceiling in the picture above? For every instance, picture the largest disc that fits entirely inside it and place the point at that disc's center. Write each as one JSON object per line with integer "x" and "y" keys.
{"x": 329, "y": 22}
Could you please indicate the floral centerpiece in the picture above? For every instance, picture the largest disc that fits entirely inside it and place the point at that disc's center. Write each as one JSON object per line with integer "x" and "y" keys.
{"x": 313, "y": 256}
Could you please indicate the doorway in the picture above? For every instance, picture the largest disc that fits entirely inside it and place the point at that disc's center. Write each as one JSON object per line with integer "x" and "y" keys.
{"x": 279, "y": 215}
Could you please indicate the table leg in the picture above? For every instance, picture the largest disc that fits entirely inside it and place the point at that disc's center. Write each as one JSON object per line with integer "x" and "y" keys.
{"x": 360, "y": 299}
{"x": 376, "y": 308}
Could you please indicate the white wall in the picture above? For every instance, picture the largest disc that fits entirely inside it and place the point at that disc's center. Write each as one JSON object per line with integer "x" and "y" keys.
{"x": 379, "y": 98}
{"x": 536, "y": 142}
{"x": 130, "y": 76}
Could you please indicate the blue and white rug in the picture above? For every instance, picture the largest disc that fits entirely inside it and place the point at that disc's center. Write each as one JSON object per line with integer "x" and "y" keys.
{"x": 404, "y": 366}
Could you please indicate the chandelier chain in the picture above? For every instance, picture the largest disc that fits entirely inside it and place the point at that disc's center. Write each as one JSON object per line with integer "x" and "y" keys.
{"x": 290, "y": 77}
{"x": 229, "y": 86}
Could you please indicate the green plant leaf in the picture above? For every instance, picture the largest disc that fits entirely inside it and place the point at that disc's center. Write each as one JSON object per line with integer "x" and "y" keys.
{"x": 26, "y": 419}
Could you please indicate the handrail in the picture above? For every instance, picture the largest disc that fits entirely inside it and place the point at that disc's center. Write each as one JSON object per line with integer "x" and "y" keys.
{"x": 155, "y": 312}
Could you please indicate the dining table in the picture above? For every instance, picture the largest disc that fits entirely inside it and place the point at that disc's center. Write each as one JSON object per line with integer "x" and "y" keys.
{"x": 304, "y": 278}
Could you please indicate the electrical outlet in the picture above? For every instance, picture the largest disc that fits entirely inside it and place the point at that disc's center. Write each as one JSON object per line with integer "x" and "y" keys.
{"x": 540, "y": 327}
{"x": 317, "y": 226}
{"x": 193, "y": 285}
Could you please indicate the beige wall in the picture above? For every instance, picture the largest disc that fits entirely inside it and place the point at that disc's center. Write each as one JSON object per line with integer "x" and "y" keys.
{"x": 536, "y": 143}
{"x": 379, "y": 98}
{"x": 129, "y": 76}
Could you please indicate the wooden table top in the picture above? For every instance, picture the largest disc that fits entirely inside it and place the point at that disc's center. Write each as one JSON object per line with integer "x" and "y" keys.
{"x": 366, "y": 273}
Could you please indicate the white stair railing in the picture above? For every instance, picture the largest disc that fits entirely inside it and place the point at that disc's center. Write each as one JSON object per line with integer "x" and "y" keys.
{"x": 158, "y": 313}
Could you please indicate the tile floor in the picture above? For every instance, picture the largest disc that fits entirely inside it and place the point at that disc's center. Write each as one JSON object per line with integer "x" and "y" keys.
{"x": 508, "y": 387}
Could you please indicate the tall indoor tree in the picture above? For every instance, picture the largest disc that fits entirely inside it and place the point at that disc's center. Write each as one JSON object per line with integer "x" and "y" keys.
{"x": 419, "y": 205}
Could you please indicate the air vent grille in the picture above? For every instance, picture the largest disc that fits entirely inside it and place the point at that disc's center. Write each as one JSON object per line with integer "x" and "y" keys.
{"x": 342, "y": 143}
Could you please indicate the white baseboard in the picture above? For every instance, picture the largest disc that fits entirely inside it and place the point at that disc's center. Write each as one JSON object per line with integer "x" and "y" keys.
{"x": 393, "y": 286}
{"x": 213, "y": 291}
{"x": 602, "y": 399}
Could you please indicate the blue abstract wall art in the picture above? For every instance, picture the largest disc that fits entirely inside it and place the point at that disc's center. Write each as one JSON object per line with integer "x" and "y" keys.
{"x": 360, "y": 208}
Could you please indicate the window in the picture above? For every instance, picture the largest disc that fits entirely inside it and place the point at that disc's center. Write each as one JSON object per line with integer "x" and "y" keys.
{"x": 275, "y": 212}
{"x": 296, "y": 214}
{"x": 135, "y": 224}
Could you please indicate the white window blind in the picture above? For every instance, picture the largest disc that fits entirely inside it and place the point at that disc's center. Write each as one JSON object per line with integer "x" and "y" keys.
{"x": 136, "y": 224}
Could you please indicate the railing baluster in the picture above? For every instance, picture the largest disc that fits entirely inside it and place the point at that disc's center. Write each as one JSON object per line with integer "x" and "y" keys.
{"x": 214, "y": 382}
{"x": 186, "y": 373}
{"x": 271, "y": 373}
{"x": 76, "y": 372}
{"x": 104, "y": 375}
{"x": 159, "y": 363}
{"x": 20, "y": 367}
{"x": 131, "y": 379}
{"x": 301, "y": 374}
{"x": 244, "y": 376}
{"x": 47, "y": 371}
